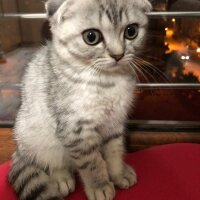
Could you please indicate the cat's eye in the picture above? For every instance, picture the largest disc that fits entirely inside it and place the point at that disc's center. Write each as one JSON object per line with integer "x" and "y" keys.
{"x": 131, "y": 31}
{"x": 92, "y": 37}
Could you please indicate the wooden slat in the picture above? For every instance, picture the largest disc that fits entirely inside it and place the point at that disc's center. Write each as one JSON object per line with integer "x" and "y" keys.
{"x": 7, "y": 144}
{"x": 155, "y": 138}
{"x": 139, "y": 140}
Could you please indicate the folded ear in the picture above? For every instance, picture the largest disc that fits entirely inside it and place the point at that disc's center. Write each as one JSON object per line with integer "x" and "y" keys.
{"x": 144, "y": 4}
{"x": 148, "y": 6}
{"x": 52, "y": 6}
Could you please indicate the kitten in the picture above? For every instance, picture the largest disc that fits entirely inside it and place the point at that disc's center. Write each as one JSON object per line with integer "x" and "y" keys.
{"x": 75, "y": 98}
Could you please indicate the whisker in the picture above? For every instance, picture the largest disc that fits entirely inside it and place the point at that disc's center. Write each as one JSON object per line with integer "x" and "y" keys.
{"x": 154, "y": 68}
{"x": 135, "y": 73}
{"x": 141, "y": 72}
{"x": 134, "y": 66}
{"x": 146, "y": 71}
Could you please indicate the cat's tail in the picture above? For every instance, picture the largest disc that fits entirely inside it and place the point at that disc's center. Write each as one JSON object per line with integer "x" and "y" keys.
{"x": 30, "y": 181}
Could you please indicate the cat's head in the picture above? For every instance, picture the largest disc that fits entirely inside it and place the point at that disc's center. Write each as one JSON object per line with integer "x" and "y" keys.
{"x": 104, "y": 34}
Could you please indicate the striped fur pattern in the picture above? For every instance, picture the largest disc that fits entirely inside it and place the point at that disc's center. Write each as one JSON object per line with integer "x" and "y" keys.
{"x": 75, "y": 101}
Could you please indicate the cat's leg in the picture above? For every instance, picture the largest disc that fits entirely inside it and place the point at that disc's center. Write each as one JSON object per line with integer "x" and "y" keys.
{"x": 85, "y": 154}
{"x": 35, "y": 181}
{"x": 122, "y": 175}
{"x": 30, "y": 180}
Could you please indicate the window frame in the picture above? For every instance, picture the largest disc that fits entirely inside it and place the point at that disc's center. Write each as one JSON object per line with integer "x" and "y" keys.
{"x": 131, "y": 124}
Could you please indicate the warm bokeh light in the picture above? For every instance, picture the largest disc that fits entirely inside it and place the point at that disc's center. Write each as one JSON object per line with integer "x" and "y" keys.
{"x": 173, "y": 20}
{"x": 185, "y": 57}
{"x": 169, "y": 33}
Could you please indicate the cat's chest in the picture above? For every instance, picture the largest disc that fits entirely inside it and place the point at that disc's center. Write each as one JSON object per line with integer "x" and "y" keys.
{"x": 105, "y": 104}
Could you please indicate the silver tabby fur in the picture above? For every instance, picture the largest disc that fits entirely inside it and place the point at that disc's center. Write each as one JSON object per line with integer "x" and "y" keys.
{"x": 75, "y": 101}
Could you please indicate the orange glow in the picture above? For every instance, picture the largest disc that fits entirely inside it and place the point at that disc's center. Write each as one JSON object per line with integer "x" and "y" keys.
{"x": 176, "y": 46}
{"x": 198, "y": 50}
{"x": 169, "y": 33}
{"x": 192, "y": 67}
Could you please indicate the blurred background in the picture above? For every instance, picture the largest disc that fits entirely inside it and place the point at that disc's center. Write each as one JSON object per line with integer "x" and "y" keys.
{"x": 168, "y": 92}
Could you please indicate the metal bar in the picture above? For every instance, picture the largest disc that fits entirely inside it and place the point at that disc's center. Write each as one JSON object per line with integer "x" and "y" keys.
{"x": 166, "y": 126}
{"x": 10, "y": 85}
{"x": 25, "y": 16}
{"x": 174, "y": 14}
{"x": 139, "y": 85}
{"x": 164, "y": 122}
{"x": 6, "y": 124}
{"x": 153, "y": 125}
{"x": 150, "y": 14}
{"x": 168, "y": 85}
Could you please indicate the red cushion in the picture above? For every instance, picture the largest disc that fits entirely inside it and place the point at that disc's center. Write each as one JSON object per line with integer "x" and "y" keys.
{"x": 168, "y": 172}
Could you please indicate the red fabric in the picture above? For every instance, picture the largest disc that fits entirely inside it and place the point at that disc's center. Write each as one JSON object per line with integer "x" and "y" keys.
{"x": 169, "y": 172}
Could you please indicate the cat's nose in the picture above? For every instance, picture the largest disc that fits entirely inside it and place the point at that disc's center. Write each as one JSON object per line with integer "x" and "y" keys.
{"x": 117, "y": 57}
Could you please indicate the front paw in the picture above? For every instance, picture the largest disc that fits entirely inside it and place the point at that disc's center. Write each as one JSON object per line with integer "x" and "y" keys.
{"x": 64, "y": 182}
{"x": 104, "y": 192}
{"x": 127, "y": 179}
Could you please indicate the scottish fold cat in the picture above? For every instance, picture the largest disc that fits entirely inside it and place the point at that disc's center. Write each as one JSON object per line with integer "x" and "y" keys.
{"x": 75, "y": 98}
